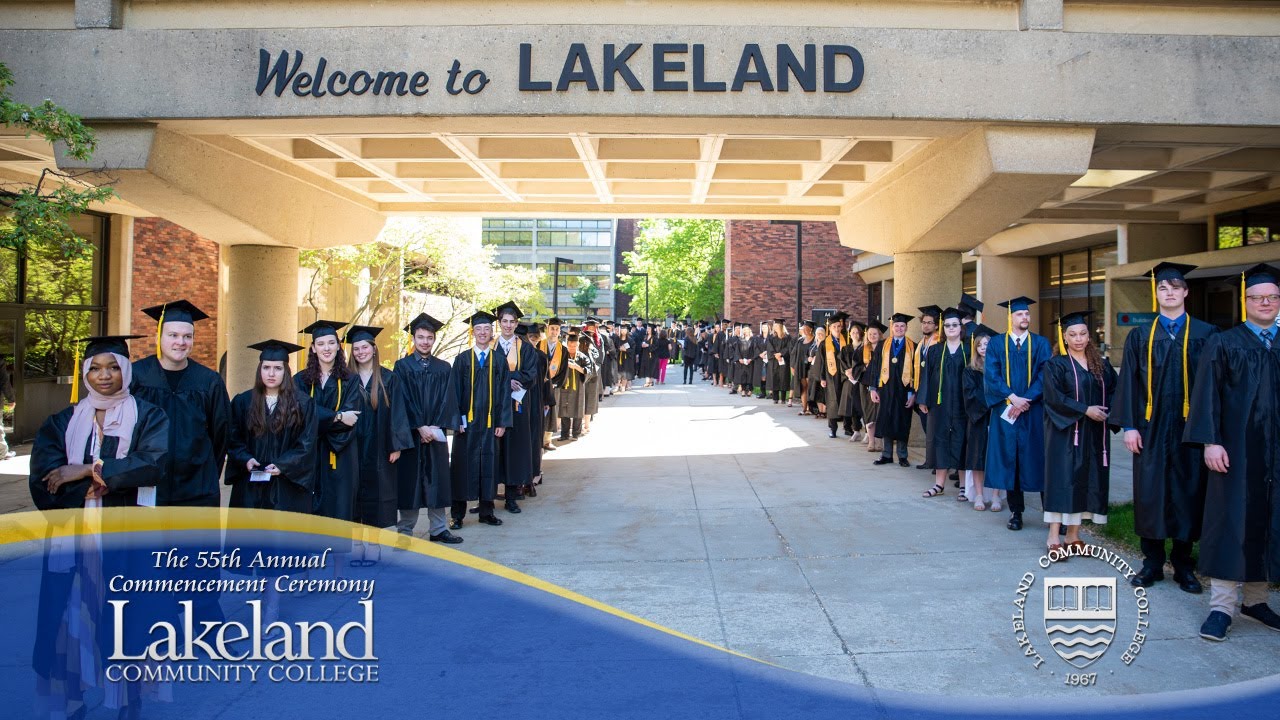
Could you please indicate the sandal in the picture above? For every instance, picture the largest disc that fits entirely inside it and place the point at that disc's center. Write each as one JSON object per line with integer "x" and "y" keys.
{"x": 979, "y": 505}
{"x": 961, "y": 497}
{"x": 934, "y": 491}
{"x": 996, "y": 506}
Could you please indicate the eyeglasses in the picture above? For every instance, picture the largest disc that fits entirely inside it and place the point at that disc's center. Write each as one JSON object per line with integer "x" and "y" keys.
{"x": 1263, "y": 299}
{"x": 951, "y": 325}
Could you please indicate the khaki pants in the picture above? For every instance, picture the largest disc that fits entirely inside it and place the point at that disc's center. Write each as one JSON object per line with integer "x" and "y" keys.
{"x": 1224, "y": 595}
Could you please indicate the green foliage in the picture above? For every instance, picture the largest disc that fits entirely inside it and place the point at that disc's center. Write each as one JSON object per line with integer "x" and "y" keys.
{"x": 426, "y": 256}
{"x": 685, "y": 262}
{"x": 40, "y": 211}
{"x": 586, "y": 293}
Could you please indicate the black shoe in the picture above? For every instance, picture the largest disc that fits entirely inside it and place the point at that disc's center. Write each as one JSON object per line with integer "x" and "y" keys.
{"x": 530, "y": 491}
{"x": 904, "y": 462}
{"x": 955, "y": 478}
{"x": 1263, "y": 613}
{"x": 1146, "y": 577}
{"x": 512, "y": 507}
{"x": 1188, "y": 582}
{"x": 833, "y": 434}
{"x": 455, "y": 524}
{"x": 880, "y": 461}
{"x": 848, "y": 432}
{"x": 519, "y": 494}
{"x": 922, "y": 466}
{"x": 1015, "y": 521}
{"x": 446, "y": 537}
{"x": 1215, "y": 626}
{"x": 490, "y": 520}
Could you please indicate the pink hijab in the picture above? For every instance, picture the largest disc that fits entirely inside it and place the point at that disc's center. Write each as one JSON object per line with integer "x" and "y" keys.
{"x": 120, "y": 417}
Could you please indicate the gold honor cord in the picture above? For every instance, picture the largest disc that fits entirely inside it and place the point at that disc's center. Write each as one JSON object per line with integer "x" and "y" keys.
{"x": 471, "y": 411}
{"x": 943, "y": 358}
{"x": 1186, "y": 384}
{"x": 333, "y": 457}
{"x": 1008, "y": 373}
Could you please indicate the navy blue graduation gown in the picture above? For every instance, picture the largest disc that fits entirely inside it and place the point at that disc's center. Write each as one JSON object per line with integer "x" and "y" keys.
{"x": 1015, "y": 450}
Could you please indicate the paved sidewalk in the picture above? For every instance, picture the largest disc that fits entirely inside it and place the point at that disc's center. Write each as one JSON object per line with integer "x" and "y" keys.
{"x": 742, "y": 523}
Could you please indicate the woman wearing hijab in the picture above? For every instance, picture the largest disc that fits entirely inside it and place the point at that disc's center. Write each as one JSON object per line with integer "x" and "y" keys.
{"x": 1078, "y": 385}
{"x": 107, "y": 450}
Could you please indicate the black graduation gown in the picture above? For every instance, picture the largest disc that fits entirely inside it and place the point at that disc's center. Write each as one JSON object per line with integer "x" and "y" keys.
{"x": 942, "y": 391}
{"x": 778, "y": 372}
{"x": 625, "y": 357}
{"x": 474, "y": 471}
{"x": 379, "y": 433}
{"x": 608, "y": 361}
{"x": 142, "y": 467}
{"x": 594, "y": 386}
{"x": 199, "y": 428}
{"x": 515, "y": 447}
{"x": 536, "y": 404}
{"x": 850, "y": 400}
{"x": 835, "y": 382}
{"x": 573, "y": 391}
{"x": 718, "y": 344}
{"x": 749, "y": 374}
{"x": 1077, "y": 475}
{"x": 799, "y": 361}
{"x": 869, "y": 378}
{"x": 336, "y": 457}
{"x": 1168, "y": 476}
{"x": 1235, "y": 403}
{"x": 979, "y": 415}
{"x": 293, "y": 450}
{"x": 429, "y": 398}
{"x": 894, "y": 419}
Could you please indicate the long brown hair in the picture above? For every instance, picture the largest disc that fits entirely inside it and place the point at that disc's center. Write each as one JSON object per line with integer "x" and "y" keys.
{"x": 311, "y": 374}
{"x": 376, "y": 388}
{"x": 1092, "y": 359}
{"x": 979, "y": 361}
{"x": 287, "y": 413}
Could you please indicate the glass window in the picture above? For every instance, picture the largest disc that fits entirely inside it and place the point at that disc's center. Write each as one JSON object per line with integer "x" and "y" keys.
{"x": 1251, "y": 226}
{"x": 8, "y": 276}
{"x": 49, "y": 340}
{"x": 53, "y": 278}
{"x": 969, "y": 282}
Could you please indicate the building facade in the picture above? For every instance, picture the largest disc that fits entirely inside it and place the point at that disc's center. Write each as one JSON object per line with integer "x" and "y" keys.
{"x": 587, "y": 253}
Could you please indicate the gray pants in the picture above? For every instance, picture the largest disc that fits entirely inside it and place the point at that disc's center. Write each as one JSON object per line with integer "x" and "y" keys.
{"x": 888, "y": 448}
{"x": 436, "y": 521}
{"x": 1224, "y": 595}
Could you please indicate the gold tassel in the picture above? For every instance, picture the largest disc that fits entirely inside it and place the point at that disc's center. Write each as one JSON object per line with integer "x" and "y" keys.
{"x": 160, "y": 329}
{"x": 1242, "y": 291}
{"x": 1008, "y": 373}
{"x": 1062, "y": 347}
{"x": 75, "y": 376}
{"x": 1153, "y": 291}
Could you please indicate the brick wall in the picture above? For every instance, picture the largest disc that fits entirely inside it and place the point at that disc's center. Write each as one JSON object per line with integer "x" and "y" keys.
{"x": 760, "y": 272}
{"x": 173, "y": 263}
{"x": 625, "y": 242}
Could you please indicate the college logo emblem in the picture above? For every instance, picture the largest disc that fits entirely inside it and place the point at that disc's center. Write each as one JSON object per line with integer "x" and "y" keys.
{"x": 1080, "y": 617}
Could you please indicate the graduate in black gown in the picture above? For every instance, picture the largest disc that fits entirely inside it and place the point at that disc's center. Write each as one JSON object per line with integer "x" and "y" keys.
{"x": 195, "y": 400}
{"x": 895, "y": 391}
{"x": 798, "y": 366}
{"x": 969, "y": 307}
{"x": 515, "y": 454}
{"x": 831, "y": 359}
{"x": 382, "y": 434}
{"x": 1078, "y": 385}
{"x": 536, "y": 401}
{"x": 327, "y": 381}
{"x": 930, "y": 319}
{"x": 271, "y": 460}
{"x": 1235, "y": 415}
{"x": 867, "y": 380}
{"x": 941, "y": 399}
{"x": 851, "y": 368}
{"x": 107, "y": 450}
{"x": 429, "y": 397}
{"x": 978, "y": 414}
{"x": 816, "y": 393}
{"x": 1151, "y": 404}
{"x": 483, "y": 388}
{"x": 778, "y": 349}
{"x": 552, "y": 347}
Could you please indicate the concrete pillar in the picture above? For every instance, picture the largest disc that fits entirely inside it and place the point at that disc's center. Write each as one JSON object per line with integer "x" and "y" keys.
{"x": 1003, "y": 277}
{"x": 1040, "y": 15}
{"x": 925, "y": 278}
{"x": 120, "y": 276}
{"x": 99, "y": 14}
{"x": 261, "y": 303}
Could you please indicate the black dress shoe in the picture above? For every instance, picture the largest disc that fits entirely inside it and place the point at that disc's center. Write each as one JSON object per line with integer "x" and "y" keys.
{"x": 1146, "y": 577}
{"x": 519, "y": 494}
{"x": 922, "y": 466}
{"x": 455, "y": 524}
{"x": 832, "y": 435}
{"x": 446, "y": 537}
{"x": 904, "y": 463}
{"x": 530, "y": 491}
{"x": 1015, "y": 521}
{"x": 882, "y": 461}
{"x": 512, "y": 507}
{"x": 1188, "y": 582}
{"x": 490, "y": 520}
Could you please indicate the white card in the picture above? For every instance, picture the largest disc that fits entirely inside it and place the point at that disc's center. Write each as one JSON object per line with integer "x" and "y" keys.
{"x": 438, "y": 434}
{"x": 259, "y": 476}
{"x": 1005, "y": 415}
{"x": 147, "y": 496}
{"x": 518, "y": 395}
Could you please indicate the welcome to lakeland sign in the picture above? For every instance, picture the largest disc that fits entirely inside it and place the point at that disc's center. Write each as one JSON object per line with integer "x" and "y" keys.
{"x": 659, "y": 67}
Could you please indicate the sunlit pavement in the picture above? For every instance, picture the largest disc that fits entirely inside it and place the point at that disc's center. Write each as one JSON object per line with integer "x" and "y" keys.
{"x": 739, "y": 522}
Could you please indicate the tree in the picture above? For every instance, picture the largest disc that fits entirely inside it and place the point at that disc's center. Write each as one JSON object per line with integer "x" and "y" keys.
{"x": 40, "y": 210}
{"x": 685, "y": 262}
{"x": 423, "y": 264}
{"x": 585, "y": 294}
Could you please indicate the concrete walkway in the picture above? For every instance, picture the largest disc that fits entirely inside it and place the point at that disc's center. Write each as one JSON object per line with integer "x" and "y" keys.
{"x": 742, "y": 523}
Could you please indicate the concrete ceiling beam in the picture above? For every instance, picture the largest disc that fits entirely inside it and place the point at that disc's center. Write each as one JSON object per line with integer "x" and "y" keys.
{"x": 954, "y": 194}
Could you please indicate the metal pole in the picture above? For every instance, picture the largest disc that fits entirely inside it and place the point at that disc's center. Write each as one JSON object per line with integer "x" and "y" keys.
{"x": 555, "y": 289}
{"x": 646, "y": 298}
{"x": 799, "y": 274}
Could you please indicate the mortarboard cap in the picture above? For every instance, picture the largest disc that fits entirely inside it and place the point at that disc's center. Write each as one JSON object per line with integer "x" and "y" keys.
{"x": 321, "y": 328}
{"x": 970, "y": 303}
{"x": 553, "y": 320}
{"x": 536, "y": 327}
{"x": 810, "y": 324}
{"x": 522, "y": 329}
{"x": 862, "y": 327}
{"x": 1018, "y": 303}
{"x": 571, "y": 337}
{"x": 423, "y": 321}
{"x": 780, "y": 321}
{"x": 591, "y": 321}
{"x": 901, "y": 318}
{"x": 932, "y": 311}
{"x": 878, "y": 326}
{"x": 980, "y": 330}
{"x": 1260, "y": 274}
{"x": 118, "y": 344}
{"x": 837, "y": 316}
{"x": 508, "y": 306}
{"x": 1075, "y": 318}
{"x": 1170, "y": 271}
{"x": 952, "y": 314}
{"x": 480, "y": 317}
{"x": 356, "y": 333}
{"x": 275, "y": 350}
{"x": 175, "y": 311}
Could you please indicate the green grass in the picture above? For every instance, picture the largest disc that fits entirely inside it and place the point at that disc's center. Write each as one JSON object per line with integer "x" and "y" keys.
{"x": 1119, "y": 527}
